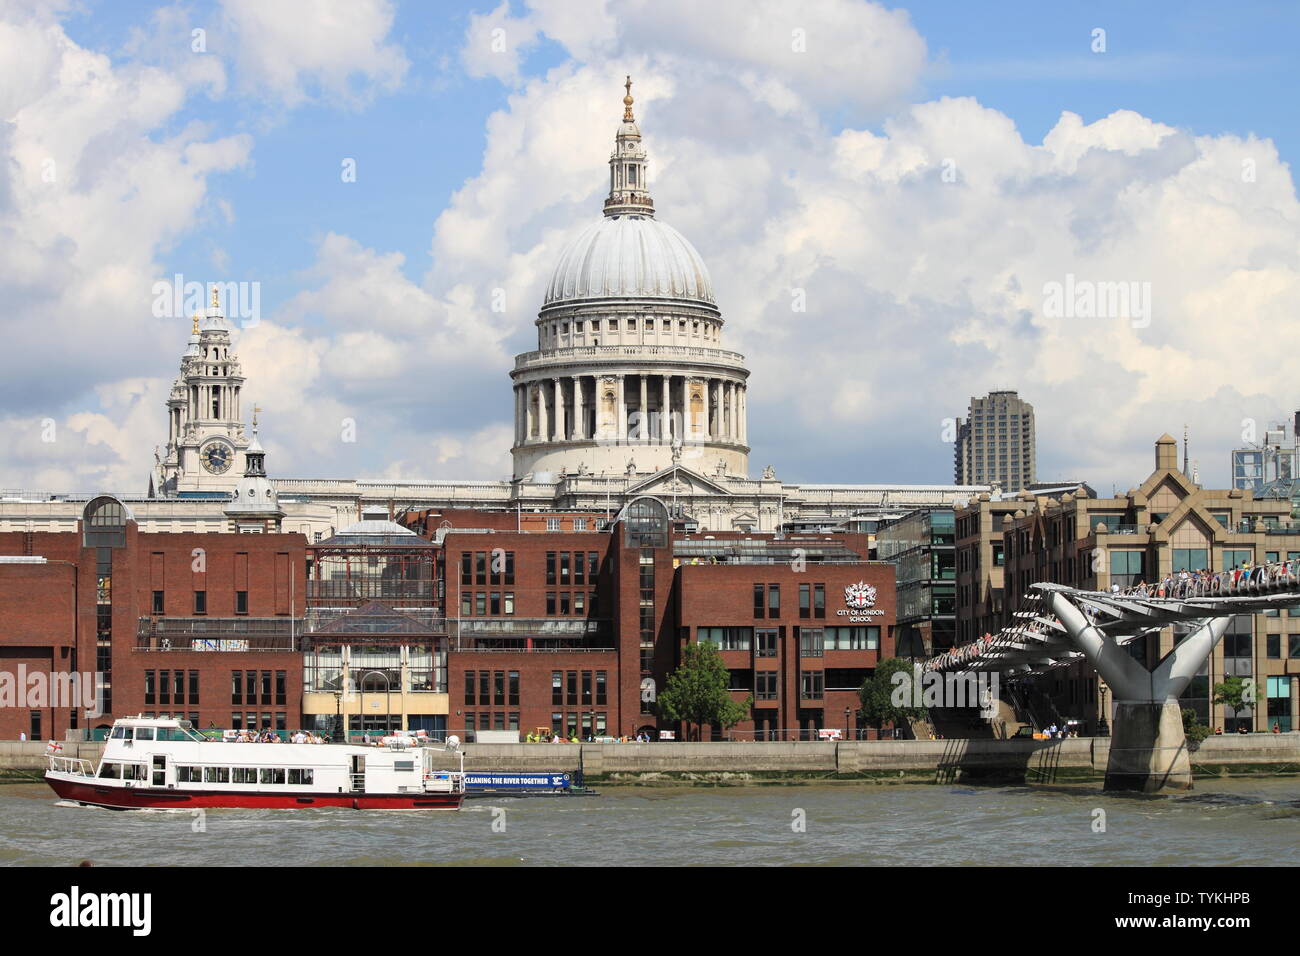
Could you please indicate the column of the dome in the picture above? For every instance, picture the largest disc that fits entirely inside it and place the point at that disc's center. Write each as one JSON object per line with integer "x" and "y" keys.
{"x": 543, "y": 424}
{"x": 744, "y": 416}
{"x": 715, "y": 408}
{"x": 643, "y": 427}
{"x": 558, "y": 385}
{"x": 731, "y": 411}
{"x": 620, "y": 427}
{"x": 579, "y": 419}
{"x": 665, "y": 412}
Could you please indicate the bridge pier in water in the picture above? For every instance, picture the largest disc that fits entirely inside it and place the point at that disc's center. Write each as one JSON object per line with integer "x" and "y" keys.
{"x": 1148, "y": 748}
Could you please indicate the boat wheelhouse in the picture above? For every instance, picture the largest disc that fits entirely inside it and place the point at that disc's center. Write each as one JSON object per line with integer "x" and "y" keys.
{"x": 156, "y": 763}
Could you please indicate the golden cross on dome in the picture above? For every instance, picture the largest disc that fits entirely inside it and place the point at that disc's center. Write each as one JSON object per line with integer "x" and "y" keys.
{"x": 215, "y": 304}
{"x": 627, "y": 101}
{"x": 194, "y": 329}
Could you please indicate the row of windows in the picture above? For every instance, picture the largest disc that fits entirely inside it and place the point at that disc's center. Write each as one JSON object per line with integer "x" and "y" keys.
{"x": 769, "y": 603}
{"x": 245, "y": 685}
{"x": 487, "y": 603}
{"x": 813, "y": 684}
{"x": 566, "y": 602}
{"x": 813, "y": 641}
{"x": 584, "y": 566}
{"x": 493, "y": 721}
{"x": 566, "y": 687}
{"x": 200, "y": 602}
{"x": 293, "y": 776}
{"x": 169, "y": 687}
{"x": 249, "y": 721}
{"x": 492, "y": 687}
{"x": 487, "y": 567}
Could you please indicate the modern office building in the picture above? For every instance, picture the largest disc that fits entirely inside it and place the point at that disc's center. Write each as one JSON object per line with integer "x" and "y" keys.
{"x": 1271, "y": 461}
{"x": 921, "y": 548}
{"x": 995, "y": 443}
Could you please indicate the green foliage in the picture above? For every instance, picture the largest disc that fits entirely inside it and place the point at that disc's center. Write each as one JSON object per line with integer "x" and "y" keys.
{"x": 696, "y": 693}
{"x": 1193, "y": 729}
{"x": 1236, "y": 692}
{"x": 877, "y": 694}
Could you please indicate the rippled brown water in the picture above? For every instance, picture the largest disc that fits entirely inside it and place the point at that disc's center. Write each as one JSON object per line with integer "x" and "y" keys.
{"x": 1221, "y": 823}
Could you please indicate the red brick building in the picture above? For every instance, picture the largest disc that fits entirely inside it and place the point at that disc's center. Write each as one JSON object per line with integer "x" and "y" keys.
{"x": 155, "y": 623}
{"x": 477, "y": 621}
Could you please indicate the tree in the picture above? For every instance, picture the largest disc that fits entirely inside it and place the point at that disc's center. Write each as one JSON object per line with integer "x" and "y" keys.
{"x": 889, "y": 700}
{"x": 1237, "y": 693}
{"x": 696, "y": 693}
{"x": 1193, "y": 729}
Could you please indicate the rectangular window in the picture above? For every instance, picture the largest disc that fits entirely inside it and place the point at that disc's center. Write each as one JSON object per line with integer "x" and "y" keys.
{"x": 572, "y": 682}
{"x": 564, "y": 602}
{"x": 494, "y": 602}
{"x": 280, "y": 689}
{"x": 513, "y": 699}
{"x": 466, "y": 568}
{"x": 805, "y": 600}
{"x": 811, "y": 685}
{"x": 480, "y": 567}
{"x": 498, "y": 688}
{"x": 200, "y": 602}
{"x": 510, "y": 567}
{"x": 600, "y": 688}
{"x": 774, "y": 600}
{"x": 550, "y": 567}
{"x": 480, "y": 603}
{"x": 194, "y": 688}
{"x": 236, "y": 687}
{"x": 593, "y": 566}
{"x": 811, "y": 642}
{"x": 557, "y": 688}
{"x": 819, "y": 600}
{"x": 758, "y": 600}
{"x": 579, "y": 568}
{"x": 164, "y": 687}
{"x": 579, "y": 600}
{"x": 484, "y": 687}
{"x": 765, "y": 685}
{"x": 149, "y": 687}
{"x": 241, "y": 602}
{"x": 765, "y": 640}
{"x": 465, "y": 604}
{"x": 564, "y": 567}
{"x": 508, "y": 602}
{"x": 158, "y": 602}
{"x": 550, "y": 603}
{"x": 469, "y": 688}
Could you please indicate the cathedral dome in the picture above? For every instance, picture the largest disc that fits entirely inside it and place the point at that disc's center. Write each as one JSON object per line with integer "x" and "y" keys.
{"x": 629, "y": 256}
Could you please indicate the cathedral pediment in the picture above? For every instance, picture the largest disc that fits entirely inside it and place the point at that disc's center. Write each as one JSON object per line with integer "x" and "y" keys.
{"x": 677, "y": 480}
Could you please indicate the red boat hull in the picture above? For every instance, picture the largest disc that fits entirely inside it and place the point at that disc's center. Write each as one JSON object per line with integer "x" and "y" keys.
{"x": 143, "y": 798}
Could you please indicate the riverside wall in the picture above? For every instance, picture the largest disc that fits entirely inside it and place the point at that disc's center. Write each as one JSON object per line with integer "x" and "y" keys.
{"x": 910, "y": 760}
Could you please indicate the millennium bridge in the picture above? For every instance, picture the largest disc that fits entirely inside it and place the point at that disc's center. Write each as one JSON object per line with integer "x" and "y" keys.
{"x": 1056, "y": 626}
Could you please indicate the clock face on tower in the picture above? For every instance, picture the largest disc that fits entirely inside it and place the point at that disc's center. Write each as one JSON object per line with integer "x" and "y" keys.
{"x": 216, "y": 457}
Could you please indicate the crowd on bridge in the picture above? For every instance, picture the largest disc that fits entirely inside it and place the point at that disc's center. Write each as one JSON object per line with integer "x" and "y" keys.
{"x": 1244, "y": 580}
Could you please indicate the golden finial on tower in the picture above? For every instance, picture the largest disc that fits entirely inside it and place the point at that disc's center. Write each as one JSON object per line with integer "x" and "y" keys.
{"x": 627, "y": 101}
{"x": 215, "y": 303}
{"x": 194, "y": 329}
{"x": 256, "y": 409}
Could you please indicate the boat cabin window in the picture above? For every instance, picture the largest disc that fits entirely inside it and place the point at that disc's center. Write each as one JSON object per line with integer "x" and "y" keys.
{"x": 189, "y": 774}
{"x": 113, "y": 770}
{"x": 400, "y": 765}
{"x": 243, "y": 775}
{"x": 121, "y": 733}
{"x": 305, "y": 776}
{"x": 272, "y": 775}
{"x": 216, "y": 775}
{"x": 144, "y": 733}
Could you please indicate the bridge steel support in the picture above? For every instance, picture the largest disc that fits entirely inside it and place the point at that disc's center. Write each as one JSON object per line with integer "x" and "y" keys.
{"x": 1148, "y": 749}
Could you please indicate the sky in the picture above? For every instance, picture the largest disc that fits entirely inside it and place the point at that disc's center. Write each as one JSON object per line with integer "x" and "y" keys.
{"x": 942, "y": 186}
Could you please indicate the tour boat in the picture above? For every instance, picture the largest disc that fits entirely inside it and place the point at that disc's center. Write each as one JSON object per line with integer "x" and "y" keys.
{"x": 162, "y": 764}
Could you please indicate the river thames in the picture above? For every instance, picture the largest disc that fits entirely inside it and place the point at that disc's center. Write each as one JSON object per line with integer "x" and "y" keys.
{"x": 1222, "y": 823}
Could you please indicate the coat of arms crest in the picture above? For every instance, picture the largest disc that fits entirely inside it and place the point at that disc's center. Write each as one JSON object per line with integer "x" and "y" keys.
{"x": 860, "y": 596}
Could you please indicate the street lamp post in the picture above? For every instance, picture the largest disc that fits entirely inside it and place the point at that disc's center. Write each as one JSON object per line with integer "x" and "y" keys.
{"x": 338, "y": 717}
